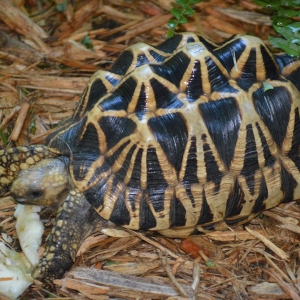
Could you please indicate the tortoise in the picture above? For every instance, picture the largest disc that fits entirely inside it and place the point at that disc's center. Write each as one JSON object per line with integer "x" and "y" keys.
{"x": 179, "y": 138}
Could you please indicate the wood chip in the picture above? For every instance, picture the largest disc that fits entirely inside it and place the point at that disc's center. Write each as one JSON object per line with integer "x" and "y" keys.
{"x": 268, "y": 243}
{"x": 227, "y": 236}
{"x": 143, "y": 26}
{"x": 20, "y": 121}
{"x": 88, "y": 289}
{"x": 118, "y": 14}
{"x": 246, "y": 16}
{"x": 292, "y": 227}
{"x": 143, "y": 286}
{"x": 267, "y": 289}
{"x": 290, "y": 290}
{"x": 19, "y": 22}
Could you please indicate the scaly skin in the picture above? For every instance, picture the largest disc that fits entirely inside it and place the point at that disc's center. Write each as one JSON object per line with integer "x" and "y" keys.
{"x": 13, "y": 160}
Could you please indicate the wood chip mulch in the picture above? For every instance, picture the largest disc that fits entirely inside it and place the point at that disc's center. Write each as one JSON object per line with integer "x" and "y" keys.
{"x": 44, "y": 68}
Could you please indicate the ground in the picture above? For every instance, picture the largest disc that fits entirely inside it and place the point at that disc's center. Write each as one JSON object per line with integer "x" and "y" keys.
{"x": 48, "y": 51}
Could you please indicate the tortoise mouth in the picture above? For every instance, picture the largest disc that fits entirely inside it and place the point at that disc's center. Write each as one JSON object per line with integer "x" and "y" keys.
{"x": 23, "y": 201}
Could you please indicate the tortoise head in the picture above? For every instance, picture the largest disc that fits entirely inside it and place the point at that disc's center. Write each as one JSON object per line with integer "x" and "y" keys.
{"x": 45, "y": 183}
{"x": 13, "y": 160}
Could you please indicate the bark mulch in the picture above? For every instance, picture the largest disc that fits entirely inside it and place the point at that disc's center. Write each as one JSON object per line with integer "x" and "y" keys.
{"x": 45, "y": 63}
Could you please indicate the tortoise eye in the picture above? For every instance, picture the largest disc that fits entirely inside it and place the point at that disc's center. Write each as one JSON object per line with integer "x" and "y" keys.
{"x": 36, "y": 194}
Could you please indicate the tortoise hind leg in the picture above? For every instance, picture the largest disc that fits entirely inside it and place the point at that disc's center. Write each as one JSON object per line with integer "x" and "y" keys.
{"x": 75, "y": 221}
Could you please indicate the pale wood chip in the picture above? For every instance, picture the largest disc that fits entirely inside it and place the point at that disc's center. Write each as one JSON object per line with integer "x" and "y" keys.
{"x": 284, "y": 220}
{"x": 18, "y": 21}
{"x": 90, "y": 242}
{"x": 227, "y": 236}
{"x": 268, "y": 243}
{"x": 90, "y": 290}
{"x": 246, "y": 16}
{"x": 290, "y": 290}
{"x": 143, "y": 26}
{"x": 119, "y": 14}
{"x": 74, "y": 85}
{"x": 196, "y": 276}
{"x": 143, "y": 286}
{"x": 132, "y": 268}
{"x": 268, "y": 289}
{"x": 77, "y": 51}
{"x": 292, "y": 227}
{"x": 223, "y": 25}
{"x": 8, "y": 118}
{"x": 286, "y": 212}
{"x": 20, "y": 121}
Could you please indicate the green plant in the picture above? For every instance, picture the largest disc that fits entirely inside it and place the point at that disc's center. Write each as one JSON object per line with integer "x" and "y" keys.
{"x": 283, "y": 23}
{"x": 179, "y": 14}
{"x": 61, "y": 7}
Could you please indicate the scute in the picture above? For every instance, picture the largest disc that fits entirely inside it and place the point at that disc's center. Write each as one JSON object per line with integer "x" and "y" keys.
{"x": 187, "y": 134}
{"x": 274, "y": 108}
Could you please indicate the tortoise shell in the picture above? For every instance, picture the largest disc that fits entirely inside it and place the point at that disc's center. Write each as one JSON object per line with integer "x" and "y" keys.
{"x": 189, "y": 134}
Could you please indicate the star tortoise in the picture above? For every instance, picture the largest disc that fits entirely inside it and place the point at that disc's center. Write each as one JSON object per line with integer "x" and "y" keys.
{"x": 182, "y": 137}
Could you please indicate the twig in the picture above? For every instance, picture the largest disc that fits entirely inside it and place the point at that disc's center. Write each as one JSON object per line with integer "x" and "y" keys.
{"x": 154, "y": 243}
{"x": 171, "y": 276}
{"x": 269, "y": 244}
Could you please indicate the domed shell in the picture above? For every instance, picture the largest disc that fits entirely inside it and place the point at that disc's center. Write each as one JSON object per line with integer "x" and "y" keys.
{"x": 188, "y": 134}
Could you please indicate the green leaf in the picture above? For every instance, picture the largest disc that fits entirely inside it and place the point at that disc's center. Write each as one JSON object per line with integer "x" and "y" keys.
{"x": 188, "y": 11}
{"x": 289, "y": 3}
{"x": 209, "y": 263}
{"x": 295, "y": 27}
{"x": 273, "y": 5}
{"x": 183, "y": 20}
{"x": 87, "y": 42}
{"x": 290, "y": 48}
{"x": 287, "y": 13}
{"x": 290, "y": 32}
{"x": 170, "y": 33}
{"x": 177, "y": 13}
{"x": 280, "y": 21}
{"x": 173, "y": 24}
{"x": 62, "y": 6}
{"x": 183, "y": 3}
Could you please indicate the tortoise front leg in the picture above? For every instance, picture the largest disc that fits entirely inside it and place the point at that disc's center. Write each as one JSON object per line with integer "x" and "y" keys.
{"x": 12, "y": 160}
{"x": 75, "y": 220}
